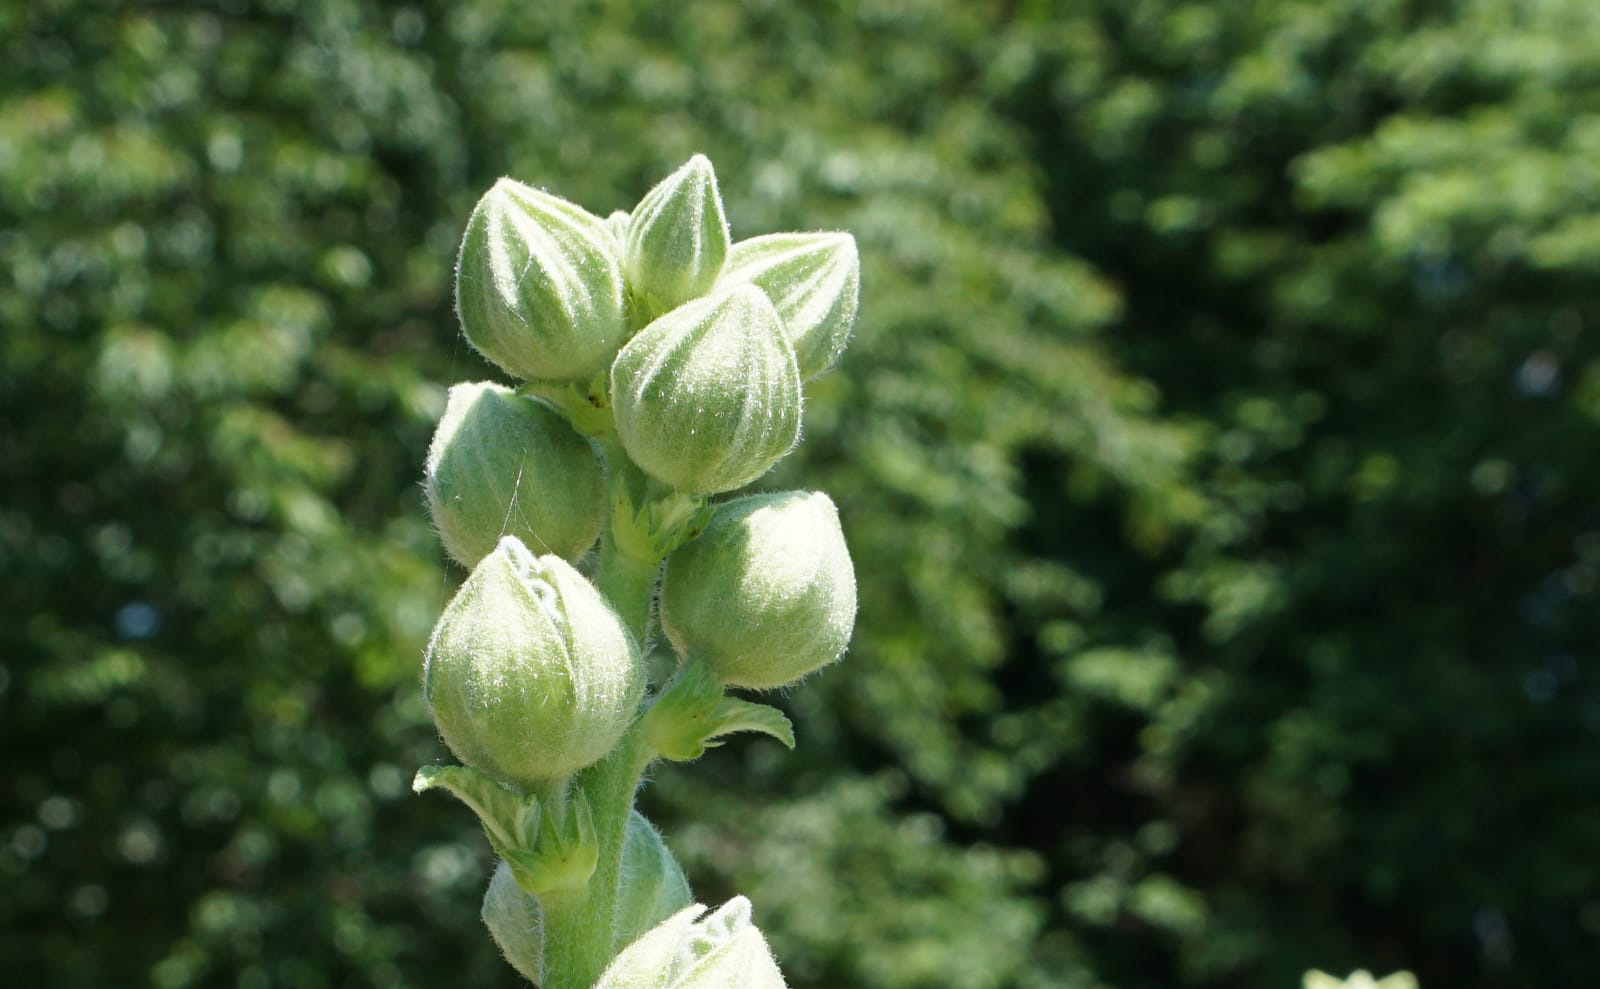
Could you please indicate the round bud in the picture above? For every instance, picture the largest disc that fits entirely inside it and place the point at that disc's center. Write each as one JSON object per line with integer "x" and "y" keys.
{"x": 505, "y": 464}
{"x": 530, "y": 675}
{"x": 813, "y": 280}
{"x": 677, "y": 238}
{"x": 707, "y": 398}
{"x": 767, "y": 594}
{"x": 539, "y": 286}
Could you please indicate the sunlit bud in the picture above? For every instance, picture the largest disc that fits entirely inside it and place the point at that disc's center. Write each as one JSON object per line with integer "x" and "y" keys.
{"x": 651, "y": 885}
{"x": 813, "y": 280}
{"x": 516, "y": 922}
{"x": 677, "y": 238}
{"x": 539, "y": 286}
{"x": 503, "y": 464}
{"x": 767, "y": 594}
{"x": 707, "y": 398}
{"x": 722, "y": 950}
{"x": 530, "y": 675}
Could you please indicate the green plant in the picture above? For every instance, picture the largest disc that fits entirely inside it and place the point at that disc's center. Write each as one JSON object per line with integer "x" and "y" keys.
{"x": 662, "y": 365}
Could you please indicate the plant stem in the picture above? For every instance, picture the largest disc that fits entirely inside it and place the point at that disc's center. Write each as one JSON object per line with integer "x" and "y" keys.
{"x": 579, "y": 924}
{"x": 629, "y": 584}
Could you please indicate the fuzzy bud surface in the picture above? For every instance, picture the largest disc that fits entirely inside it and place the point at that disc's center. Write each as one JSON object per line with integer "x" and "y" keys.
{"x": 539, "y": 287}
{"x": 530, "y": 676}
{"x": 677, "y": 239}
{"x": 722, "y": 950}
{"x": 707, "y": 398}
{"x": 505, "y": 464}
{"x": 767, "y": 594}
{"x": 814, "y": 282}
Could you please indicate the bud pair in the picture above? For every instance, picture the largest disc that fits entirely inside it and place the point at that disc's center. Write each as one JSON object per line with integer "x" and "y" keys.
{"x": 503, "y": 464}
{"x": 530, "y": 676}
{"x": 767, "y": 594}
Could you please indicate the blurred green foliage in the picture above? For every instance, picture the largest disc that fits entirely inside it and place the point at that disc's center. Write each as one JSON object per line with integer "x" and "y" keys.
{"x": 1216, "y": 452}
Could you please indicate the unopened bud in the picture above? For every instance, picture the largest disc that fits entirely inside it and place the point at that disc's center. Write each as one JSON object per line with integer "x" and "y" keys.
{"x": 813, "y": 280}
{"x": 722, "y": 950}
{"x": 677, "y": 238}
{"x": 503, "y": 464}
{"x": 539, "y": 286}
{"x": 767, "y": 594}
{"x": 530, "y": 675}
{"x": 707, "y": 398}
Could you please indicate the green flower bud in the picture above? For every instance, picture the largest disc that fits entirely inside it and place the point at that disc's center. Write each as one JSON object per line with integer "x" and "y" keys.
{"x": 723, "y": 950}
{"x": 530, "y": 675}
{"x": 677, "y": 238}
{"x": 516, "y": 922}
{"x": 767, "y": 594}
{"x": 505, "y": 464}
{"x": 539, "y": 286}
{"x": 652, "y": 885}
{"x": 813, "y": 280}
{"x": 707, "y": 398}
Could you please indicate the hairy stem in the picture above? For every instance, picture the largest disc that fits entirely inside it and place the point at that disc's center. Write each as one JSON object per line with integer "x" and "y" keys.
{"x": 580, "y": 923}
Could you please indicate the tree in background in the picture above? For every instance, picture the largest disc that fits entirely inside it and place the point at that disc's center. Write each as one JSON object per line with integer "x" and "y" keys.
{"x": 1214, "y": 448}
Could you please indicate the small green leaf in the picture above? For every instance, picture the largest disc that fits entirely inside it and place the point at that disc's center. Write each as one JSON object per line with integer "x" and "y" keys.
{"x": 510, "y": 818}
{"x": 735, "y": 715}
{"x": 693, "y": 710}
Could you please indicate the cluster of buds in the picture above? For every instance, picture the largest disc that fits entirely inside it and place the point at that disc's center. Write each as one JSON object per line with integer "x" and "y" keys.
{"x": 660, "y": 367}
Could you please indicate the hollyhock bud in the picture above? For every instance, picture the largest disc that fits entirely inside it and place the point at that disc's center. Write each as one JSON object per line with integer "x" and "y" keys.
{"x": 505, "y": 464}
{"x": 722, "y": 950}
{"x": 539, "y": 287}
{"x": 813, "y": 280}
{"x": 677, "y": 238}
{"x": 767, "y": 594}
{"x": 707, "y": 398}
{"x": 530, "y": 675}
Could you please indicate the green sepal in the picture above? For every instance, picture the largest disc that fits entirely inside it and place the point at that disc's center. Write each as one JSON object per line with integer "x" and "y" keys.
{"x": 694, "y": 710}
{"x": 567, "y": 852}
{"x": 511, "y": 819}
{"x": 586, "y": 407}
{"x": 547, "y": 849}
{"x": 648, "y": 519}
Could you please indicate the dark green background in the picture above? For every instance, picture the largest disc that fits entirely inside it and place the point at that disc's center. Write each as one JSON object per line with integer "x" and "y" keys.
{"x": 1217, "y": 450}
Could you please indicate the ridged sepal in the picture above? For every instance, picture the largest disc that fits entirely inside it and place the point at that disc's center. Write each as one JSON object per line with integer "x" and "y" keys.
{"x": 767, "y": 594}
{"x": 814, "y": 282}
{"x": 539, "y": 285}
{"x": 530, "y": 675}
{"x": 503, "y": 464}
{"x": 707, "y": 398}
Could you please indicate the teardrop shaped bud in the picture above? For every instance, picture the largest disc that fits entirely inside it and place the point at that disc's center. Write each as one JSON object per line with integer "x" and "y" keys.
{"x": 767, "y": 594}
{"x": 653, "y": 887}
{"x": 677, "y": 238}
{"x": 707, "y": 398}
{"x": 539, "y": 286}
{"x": 721, "y": 950}
{"x": 503, "y": 464}
{"x": 530, "y": 675}
{"x": 516, "y": 922}
{"x": 813, "y": 280}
